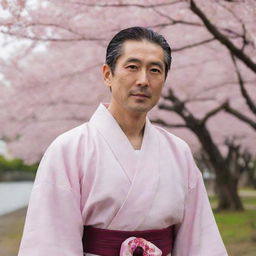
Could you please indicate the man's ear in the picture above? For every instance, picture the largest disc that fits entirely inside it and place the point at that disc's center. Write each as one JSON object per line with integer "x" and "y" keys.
{"x": 107, "y": 74}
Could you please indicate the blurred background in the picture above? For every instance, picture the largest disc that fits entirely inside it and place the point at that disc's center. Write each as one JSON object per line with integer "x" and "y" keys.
{"x": 51, "y": 53}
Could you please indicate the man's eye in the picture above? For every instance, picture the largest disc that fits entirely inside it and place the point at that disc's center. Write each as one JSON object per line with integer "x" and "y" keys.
{"x": 133, "y": 67}
{"x": 155, "y": 70}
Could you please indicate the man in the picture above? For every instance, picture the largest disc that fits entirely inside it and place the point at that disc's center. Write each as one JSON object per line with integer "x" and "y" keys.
{"x": 118, "y": 177}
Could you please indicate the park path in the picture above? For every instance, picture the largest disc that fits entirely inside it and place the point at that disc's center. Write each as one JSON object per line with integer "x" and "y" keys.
{"x": 11, "y": 226}
{"x": 247, "y": 193}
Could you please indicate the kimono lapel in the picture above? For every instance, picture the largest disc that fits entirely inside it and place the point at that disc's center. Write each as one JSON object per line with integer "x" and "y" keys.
{"x": 144, "y": 185}
{"x": 142, "y": 170}
{"x": 119, "y": 144}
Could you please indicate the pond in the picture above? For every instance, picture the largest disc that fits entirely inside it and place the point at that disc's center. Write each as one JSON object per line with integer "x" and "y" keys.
{"x": 14, "y": 195}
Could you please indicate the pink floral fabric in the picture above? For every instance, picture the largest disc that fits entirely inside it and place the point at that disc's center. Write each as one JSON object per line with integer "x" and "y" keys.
{"x": 130, "y": 244}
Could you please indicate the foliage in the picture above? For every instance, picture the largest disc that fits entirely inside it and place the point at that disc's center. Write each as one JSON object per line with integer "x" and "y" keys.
{"x": 16, "y": 165}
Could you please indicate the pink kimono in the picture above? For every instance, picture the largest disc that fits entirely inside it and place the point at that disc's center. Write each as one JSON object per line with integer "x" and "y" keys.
{"x": 91, "y": 175}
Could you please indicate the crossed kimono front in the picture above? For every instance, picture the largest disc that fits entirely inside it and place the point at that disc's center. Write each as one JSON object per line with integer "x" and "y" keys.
{"x": 92, "y": 176}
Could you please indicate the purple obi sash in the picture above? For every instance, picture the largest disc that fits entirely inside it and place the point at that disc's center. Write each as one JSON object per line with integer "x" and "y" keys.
{"x": 107, "y": 242}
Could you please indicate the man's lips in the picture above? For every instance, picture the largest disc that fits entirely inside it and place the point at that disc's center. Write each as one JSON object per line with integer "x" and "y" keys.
{"x": 140, "y": 95}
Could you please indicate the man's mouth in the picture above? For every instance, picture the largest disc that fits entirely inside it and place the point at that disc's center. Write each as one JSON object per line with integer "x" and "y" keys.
{"x": 140, "y": 95}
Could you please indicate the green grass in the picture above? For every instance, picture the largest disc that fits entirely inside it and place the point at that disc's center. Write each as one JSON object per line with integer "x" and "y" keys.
{"x": 249, "y": 200}
{"x": 236, "y": 226}
{"x": 238, "y": 229}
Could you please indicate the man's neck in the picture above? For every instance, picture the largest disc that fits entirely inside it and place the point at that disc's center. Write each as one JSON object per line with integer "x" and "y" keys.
{"x": 132, "y": 125}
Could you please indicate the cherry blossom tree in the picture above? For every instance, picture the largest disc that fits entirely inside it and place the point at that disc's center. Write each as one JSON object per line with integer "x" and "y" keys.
{"x": 50, "y": 79}
{"x": 226, "y": 168}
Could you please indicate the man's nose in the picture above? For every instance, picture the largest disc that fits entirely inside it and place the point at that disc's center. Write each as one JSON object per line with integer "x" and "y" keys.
{"x": 142, "y": 79}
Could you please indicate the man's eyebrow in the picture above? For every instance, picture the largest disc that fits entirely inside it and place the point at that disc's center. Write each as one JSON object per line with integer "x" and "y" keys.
{"x": 153, "y": 63}
{"x": 131, "y": 59}
{"x": 157, "y": 63}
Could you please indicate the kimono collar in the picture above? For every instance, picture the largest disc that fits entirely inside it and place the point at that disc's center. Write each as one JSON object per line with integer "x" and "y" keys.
{"x": 119, "y": 143}
{"x": 139, "y": 169}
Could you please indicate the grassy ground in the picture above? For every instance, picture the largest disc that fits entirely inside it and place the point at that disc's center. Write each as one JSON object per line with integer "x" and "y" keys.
{"x": 238, "y": 229}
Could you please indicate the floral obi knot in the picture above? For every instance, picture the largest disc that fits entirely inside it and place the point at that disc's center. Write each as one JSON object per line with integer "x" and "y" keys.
{"x": 134, "y": 246}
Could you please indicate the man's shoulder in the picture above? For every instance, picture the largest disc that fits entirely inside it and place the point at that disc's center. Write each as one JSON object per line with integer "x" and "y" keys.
{"x": 182, "y": 151}
{"x": 73, "y": 136}
{"x": 171, "y": 138}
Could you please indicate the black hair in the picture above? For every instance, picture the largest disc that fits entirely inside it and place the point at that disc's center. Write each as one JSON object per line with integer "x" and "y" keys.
{"x": 114, "y": 49}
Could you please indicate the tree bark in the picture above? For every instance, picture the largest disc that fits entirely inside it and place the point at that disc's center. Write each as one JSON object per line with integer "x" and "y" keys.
{"x": 226, "y": 183}
{"x": 226, "y": 180}
{"x": 227, "y": 191}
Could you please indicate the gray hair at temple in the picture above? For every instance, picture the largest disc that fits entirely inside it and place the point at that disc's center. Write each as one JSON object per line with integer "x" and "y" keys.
{"x": 114, "y": 49}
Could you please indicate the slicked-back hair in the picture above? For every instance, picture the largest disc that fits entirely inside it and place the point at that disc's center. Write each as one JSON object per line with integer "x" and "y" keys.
{"x": 114, "y": 49}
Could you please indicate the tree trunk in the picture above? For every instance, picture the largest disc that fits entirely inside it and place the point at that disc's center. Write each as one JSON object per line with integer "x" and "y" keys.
{"x": 227, "y": 191}
{"x": 226, "y": 183}
{"x": 226, "y": 180}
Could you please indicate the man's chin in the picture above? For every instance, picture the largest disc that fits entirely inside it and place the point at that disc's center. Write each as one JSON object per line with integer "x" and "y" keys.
{"x": 140, "y": 109}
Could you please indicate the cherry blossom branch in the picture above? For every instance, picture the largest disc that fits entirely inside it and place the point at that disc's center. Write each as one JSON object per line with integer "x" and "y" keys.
{"x": 166, "y": 24}
{"x": 213, "y": 112}
{"x": 199, "y": 99}
{"x": 246, "y": 41}
{"x": 161, "y": 122}
{"x": 130, "y": 5}
{"x": 240, "y": 116}
{"x": 177, "y": 106}
{"x": 52, "y": 25}
{"x": 222, "y": 38}
{"x": 173, "y": 21}
{"x": 193, "y": 45}
{"x": 250, "y": 103}
{"x": 36, "y": 38}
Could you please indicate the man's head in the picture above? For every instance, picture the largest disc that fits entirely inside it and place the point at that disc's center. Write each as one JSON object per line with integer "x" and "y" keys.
{"x": 114, "y": 49}
{"x": 138, "y": 61}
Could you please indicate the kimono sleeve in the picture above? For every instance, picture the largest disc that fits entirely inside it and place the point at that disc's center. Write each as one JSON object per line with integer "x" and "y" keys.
{"x": 198, "y": 234}
{"x": 54, "y": 224}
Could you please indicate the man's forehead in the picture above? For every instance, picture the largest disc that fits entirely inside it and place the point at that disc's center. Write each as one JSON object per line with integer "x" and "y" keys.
{"x": 132, "y": 49}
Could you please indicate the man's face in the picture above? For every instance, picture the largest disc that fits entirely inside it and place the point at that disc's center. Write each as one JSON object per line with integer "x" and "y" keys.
{"x": 138, "y": 77}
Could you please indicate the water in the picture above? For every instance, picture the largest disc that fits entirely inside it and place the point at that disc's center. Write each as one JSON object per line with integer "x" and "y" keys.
{"x": 14, "y": 195}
